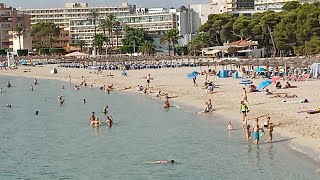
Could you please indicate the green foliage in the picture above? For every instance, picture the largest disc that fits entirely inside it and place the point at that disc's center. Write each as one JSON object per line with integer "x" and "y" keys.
{"x": 81, "y": 44}
{"x": 3, "y": 52}
{"x": 22, "y": 52}
{"x": 99, "y": 40}
{"x": 45, "y": 32}
{"x": 57, "y": 51}
{"x": 171, "y": 38}
{"x": 147, "y": 48}
{"x": 126, "y": 49}
{"x": 44, "y": 51}
{"x": 135, "y": 37}
{"x": 182, "y": 50}
{"x": 290, "y": 6}
{"x": 295, "y": 30}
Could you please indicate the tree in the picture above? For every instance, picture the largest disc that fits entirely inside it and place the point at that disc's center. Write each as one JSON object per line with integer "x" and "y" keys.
{"x": 290, "y": 6}
{"x": 312, "y": 46}
{"x": 117, "y": 31}
{"x": 98, "y": 41}
{"x": 46, "y": 32}
{"x": 171, "y": 38}
{"x": 18, "y": 32}
{"x": 94, "y": 14}
{"x": 241, "y": 28}
{"x": 135, "y": 37}
{"x": 81, "y": 44}
{"x": 110, "y": 24}
{"x": 147, "y": 48}
{"x": 194, "y": 47}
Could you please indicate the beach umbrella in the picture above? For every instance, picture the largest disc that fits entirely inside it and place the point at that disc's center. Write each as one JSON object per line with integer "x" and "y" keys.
{"x": 245, "y": 82}
{"x": 193, "y": 74}
{"x": 260, "y": 70}
{"x": 275, "y": 78}
{"x": 264, "y": 84}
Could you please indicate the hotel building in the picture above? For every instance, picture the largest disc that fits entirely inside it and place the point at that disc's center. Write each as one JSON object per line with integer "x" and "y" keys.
{"x": 76, "y": 19}
{"x": 10, "y": 18}
{"x": 272, "y": 5}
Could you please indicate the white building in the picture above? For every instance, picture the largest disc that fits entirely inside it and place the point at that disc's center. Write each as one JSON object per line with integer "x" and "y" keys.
{"x": 25, "y": 42}
{"x": 272, "y": 5}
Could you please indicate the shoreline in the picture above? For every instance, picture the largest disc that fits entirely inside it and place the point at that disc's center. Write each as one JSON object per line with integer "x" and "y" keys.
{"x": 303, "y": 144}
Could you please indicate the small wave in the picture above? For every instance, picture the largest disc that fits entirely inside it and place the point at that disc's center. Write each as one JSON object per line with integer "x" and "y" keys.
{"x": 303, "y": 151}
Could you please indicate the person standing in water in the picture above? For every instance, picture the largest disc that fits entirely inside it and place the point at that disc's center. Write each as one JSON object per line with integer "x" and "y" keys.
{"x": 255, "y": 131}
{"x": 31, "y": 87}
{"x": 0, "y": 90}
{"x": 84, "y": 101}
{"x": 8, "y": 84}
{"x": 105, "y": 109}
{"x": 35, "y": 81}
{"x": 109, "y": 121}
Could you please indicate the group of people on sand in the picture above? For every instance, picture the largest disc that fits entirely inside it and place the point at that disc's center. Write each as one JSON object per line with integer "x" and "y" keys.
{"x": 257, "y": 130}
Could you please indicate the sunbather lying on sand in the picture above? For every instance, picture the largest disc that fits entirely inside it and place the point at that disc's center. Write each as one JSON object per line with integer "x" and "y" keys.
{"x": 284, "y": 96}
{"x": 288, "y": 85}
{"x": 253, "y": 88}
{"x": 125, "y": 88}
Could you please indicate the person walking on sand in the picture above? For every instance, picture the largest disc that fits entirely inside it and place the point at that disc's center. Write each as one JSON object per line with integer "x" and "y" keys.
{"x": 245, "y": 95}
{"x": 243, "y": 108}
{"x": 148, "y": 80}
{"x": 270, "y": 132}
{"x": 194, "y": 81}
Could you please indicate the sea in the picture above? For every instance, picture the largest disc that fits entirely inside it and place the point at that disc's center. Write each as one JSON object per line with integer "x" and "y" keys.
{"x": 58, "y": 143}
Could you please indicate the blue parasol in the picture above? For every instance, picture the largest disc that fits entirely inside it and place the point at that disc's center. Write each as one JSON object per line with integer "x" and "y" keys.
{"x": 264, "y": 84}
{"x": 193, "y": 74}
{"x": 245, "y": 82}
{"x": 261, "y": 70}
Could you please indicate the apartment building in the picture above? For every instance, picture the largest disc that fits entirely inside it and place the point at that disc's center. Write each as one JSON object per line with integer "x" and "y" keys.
{"x": 272, "y": 5}
{"x": 239, "y": 5}
{"x": 9, "y": 19}
{"x": 76, "y": 19}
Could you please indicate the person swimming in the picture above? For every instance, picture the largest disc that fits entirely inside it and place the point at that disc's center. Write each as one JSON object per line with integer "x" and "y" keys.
{"x": 84, "y": 101}
{"x": 8, "y": 105}
{"x": 163, "y": 162}
{"x": 8, "y": 84}
{"x": 105, "y": 109}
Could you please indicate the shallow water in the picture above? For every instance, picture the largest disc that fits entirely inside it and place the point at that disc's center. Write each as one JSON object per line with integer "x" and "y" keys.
{"x": 59, "y": 143}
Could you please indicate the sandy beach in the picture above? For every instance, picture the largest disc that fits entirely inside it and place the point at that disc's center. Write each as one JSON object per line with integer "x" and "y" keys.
{"x": 303, "y": 128}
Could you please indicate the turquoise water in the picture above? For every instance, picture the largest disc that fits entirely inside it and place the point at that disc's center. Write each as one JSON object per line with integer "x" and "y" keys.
{"x": 59, "y": 143}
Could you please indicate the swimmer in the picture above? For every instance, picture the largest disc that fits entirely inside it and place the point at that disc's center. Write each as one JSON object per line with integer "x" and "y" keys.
{"x": 31, "y": 87}
{"x": 105, "y": 109}
{"x": 8, "y": 105}
{"x": 93, "y": 116}
{"x": 0, "y": 90}
{"x": 62, "y": 87}
{"x": 163, "y": 162}
{"x": 8, "y": 84}
{"x": 84, "y": 101}
{"x": 35, "y": 81}
{"x": 109, "y": 121}
{"x": 37, "y": 112}
{"x": 229, "y": 126}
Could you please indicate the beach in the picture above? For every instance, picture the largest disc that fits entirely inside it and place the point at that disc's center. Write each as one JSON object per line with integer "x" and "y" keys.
{"x": 303, "y": 128}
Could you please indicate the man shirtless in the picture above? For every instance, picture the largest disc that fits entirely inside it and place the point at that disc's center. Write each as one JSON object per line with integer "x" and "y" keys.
{"x": 255, "y": 131}
{"x": 245, "y": 96}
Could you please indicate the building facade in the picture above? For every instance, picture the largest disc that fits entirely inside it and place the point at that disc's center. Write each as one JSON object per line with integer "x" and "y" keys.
{"x": 10, "y": 18}
{"x": 272, "y": 5}
{"x": 76, "y": 19}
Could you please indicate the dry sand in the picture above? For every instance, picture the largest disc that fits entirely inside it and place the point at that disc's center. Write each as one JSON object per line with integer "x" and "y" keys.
{"x": 302, "y": 127}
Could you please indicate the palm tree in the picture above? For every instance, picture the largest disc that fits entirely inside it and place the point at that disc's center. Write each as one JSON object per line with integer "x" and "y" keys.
{"x": 94, "y": 16}
{"x": 171, "y": 38}
{"x": 110, "y": 21}
{"x": 18, "y": 32}
{"x": 99, "y": 40}
{"x": 194, "y": 46}
{"x": 147, "y": 48}
{"x": 117, "y": 31}
{"x": 81, "y": 44}
{"x": 103, "y": 25}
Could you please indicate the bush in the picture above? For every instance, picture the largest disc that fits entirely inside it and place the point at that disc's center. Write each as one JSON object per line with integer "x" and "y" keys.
{"x": 22, "y": 52}
{"x": 3, "y": 52}
{"x": 57, "y": 51}
{"x": 182, "y": 50}
{"x": 126, "y": 49}
{"x": 44, "y": 51}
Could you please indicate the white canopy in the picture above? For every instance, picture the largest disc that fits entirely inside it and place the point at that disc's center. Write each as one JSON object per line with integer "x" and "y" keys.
{"x": 213, "y": 51}
{"x": 77, "y": 54}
